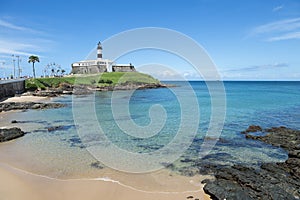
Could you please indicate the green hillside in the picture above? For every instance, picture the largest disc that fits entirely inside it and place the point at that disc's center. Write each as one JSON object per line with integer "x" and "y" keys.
{"x": 101, "y": 80}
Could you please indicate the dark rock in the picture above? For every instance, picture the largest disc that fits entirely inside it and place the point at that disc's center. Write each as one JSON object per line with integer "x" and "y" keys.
{"x": 28, "y": 105}
{"x": 186, "y": 160}
{"x": 97, "y": 165}
{"x": 55, "y": 128}
{"x": 14, "y": 121}
{"x": 189, "y": 197}
{"x": 252, "y": 129}
{"x": 168, "y": 165}
{"x": 66, "y": 87}
{"x": 189, "y": 171}
{"x": 36, "y": 106}
{"x": 270, "y": 181}
{"x": 82, "y": 90}
{"x": 224, "y": 189}
{"x": 60, "y": 127}
{"x": 10, "y": 134}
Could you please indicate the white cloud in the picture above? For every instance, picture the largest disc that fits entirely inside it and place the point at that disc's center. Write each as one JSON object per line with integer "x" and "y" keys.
{"x": 288, "y": 36}
{"x": 279, "y": 26}
{"x": 9, "y": 47}
{"x": 280, "y": 30}
{"x": 16, "y": 27}
{"x": 258, "y": 67}
{"x": 276, "y": 9}
{"x": 11, "y": 26}
{"x": 14, "y": 41}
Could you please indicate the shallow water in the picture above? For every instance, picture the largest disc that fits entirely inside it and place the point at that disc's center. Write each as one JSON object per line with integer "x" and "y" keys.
{"x": 64, "y": 153}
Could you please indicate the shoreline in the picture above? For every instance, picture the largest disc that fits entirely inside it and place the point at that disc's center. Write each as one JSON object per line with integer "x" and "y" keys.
{"x": 32, "y": 186}
{"x": 25, "y": 98}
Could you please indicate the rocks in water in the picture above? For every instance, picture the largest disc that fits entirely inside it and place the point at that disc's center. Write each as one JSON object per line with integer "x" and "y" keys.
{"x": 189, "y": 171}
{"x": 10, "y": 134}
{"x": 55, "y": 128}
{"x": 48, "y": 93}
{"x": 270, "y": 181}
{"x": 241, "y": 182}
{"x": 139, "y": 86}
{"x": 66, "y": 88}
{"x": 168, "y": 165}
{"x": 60, "y": 127}
{"x": 76, "y": 142}
{"x": 14, "y": 121}
{"x": 28, "y": 105}
{"x": 97, "y": 165}
{"x": 252, "y": 129}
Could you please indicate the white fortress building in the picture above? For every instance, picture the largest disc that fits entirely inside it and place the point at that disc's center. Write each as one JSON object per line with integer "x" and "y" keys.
{"x": 100, "y": 65}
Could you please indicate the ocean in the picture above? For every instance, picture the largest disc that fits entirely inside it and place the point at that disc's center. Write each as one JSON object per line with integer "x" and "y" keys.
{"x": 146, "y": 130}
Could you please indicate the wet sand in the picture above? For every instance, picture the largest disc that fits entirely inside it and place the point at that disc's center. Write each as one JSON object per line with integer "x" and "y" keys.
{"x": 17, "y": 184}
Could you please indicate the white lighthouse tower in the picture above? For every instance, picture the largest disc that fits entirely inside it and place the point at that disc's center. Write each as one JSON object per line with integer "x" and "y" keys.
{"x": 99, "y": 51}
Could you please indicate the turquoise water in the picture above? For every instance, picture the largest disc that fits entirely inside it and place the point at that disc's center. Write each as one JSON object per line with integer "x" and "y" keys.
{"x": 261, "y": 103}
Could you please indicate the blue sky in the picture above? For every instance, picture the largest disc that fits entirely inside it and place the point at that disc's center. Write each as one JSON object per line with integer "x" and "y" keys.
{"x": 256, "y": 40}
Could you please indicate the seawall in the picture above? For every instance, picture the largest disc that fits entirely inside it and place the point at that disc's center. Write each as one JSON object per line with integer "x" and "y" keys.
{"x": 9, "y": 88}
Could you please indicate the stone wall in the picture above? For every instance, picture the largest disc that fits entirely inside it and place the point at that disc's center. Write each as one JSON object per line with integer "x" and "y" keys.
{"x": 11, "y": 87}
{"x": 88, "y": 69}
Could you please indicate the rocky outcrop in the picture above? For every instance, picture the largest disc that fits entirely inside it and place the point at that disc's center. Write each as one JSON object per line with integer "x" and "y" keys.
{"x": 271, "y": 181}
{"x": 10, "y": 134}
{"x": 252, "y": 129}
{"x": 138, "y": 86}
{"x": 69, "y": 89}
{"x": 28, "y": 105}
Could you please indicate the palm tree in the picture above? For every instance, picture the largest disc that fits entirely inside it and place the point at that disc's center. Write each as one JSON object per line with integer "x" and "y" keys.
{"x": 33, "y": 59}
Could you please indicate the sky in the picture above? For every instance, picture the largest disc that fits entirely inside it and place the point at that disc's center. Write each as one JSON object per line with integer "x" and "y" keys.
{"x": 247, "y": 40}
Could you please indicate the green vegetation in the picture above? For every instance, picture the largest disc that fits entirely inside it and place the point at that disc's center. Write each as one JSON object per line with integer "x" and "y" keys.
{"x": 97, "y": 80}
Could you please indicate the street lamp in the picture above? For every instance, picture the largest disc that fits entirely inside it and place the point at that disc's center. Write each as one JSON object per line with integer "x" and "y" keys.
{"x": 19, "y": 69}
{"x": 13, "y": 56}
{"x": 3, "y": 69}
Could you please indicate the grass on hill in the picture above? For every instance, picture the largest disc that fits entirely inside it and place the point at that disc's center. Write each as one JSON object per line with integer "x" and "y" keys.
{"x": 103, "y": 79}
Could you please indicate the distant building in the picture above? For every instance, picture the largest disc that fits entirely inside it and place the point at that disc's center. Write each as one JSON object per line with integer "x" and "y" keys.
{"x": 99, "y": 65}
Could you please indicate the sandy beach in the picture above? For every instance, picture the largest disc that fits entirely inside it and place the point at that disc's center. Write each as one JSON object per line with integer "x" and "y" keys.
{"x": 25, "y": 99}
{"x": 17, "y": 184}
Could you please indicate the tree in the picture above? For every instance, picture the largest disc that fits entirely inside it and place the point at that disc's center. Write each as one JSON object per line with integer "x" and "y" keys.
{"x": 63, "y": 71}
{"x": 32, "y": 59}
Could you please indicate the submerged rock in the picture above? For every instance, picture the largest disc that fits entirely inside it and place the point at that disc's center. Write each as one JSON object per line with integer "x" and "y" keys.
{"x": 10, "y": 134}
{"x": 60, "y": 127}
{"x": 97, "y": 165}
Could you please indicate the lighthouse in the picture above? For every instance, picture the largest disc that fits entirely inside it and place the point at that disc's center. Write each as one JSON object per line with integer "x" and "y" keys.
{"x": 99, "y": 65}
{"x": 99, "y": 51}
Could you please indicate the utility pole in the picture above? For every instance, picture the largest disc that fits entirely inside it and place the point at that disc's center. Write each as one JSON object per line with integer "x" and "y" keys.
{"x": 3, "y": 69}
{"x": 13, "y": 56}
{"x": 19, "y": 69}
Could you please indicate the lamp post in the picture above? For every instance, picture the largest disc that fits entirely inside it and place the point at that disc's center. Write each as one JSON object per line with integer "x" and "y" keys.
{"x": 13, "y": 56}
{"x": 3, "y": 70}
{"x": 19, "y": 69}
